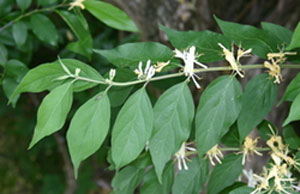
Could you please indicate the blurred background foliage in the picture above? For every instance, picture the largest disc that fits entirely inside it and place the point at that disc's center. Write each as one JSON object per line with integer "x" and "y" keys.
{"x": 47, "y": 168}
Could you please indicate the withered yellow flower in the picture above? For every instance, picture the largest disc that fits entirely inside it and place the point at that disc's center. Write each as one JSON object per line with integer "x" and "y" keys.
{"x": 160, "y": 65}
{"x": 214, "y": 153}
{"x": 77, "y": 3}
{"x": 249, "y": 147}
{"x": 235, "y": 61}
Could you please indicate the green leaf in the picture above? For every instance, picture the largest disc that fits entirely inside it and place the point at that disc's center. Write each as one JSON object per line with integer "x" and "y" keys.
{"x": 191, "y": 181}
{"x": 19, "y": 31}
{"x": 5, "y": 7}
{"x": 241, "y": 190}
{"x": 225, "y": 174}
{"x": 130, "y": 54}
{"x": 44, "y": 29}
{"x": 14, "y": 72}
{"x": 110, "y": 15}
{"x": 292, "y": 90}
{"x": 294, "y": 113}
{"x": 173, "y": 116}
{"x": 258, "y": 100}
{"x": 3, "y": 54}
{"x": 247, "y": 36}
{"x": 88, "y": 129}
{"x": 126, "y": 180}
{"x": 23, "y": 4}
{"x": 264, "y": 131}
{"x": 151, "y": 184}
{"x": 219, "y": 107}
{"x": 46, "y": 2}
{"x": 118, "y": 95}
{"x": 295, "y": 43}
{"x": 43, "y": 77}
{"x": 282, "y": 35}
{"x": 206, "y": 42}
{"x": 132, "y": 128}
{"x": 290, "y": 137}
{"x": 53, "y": 112}
{"x": 79, "y": 26}
{"x": 231, "y": 138}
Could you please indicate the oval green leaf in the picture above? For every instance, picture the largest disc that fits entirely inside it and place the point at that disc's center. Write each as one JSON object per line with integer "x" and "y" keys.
{"x": 247, "y": 36}
{"x": 291, "y": 137}
{"x": 292, "y": 90}
{"x": 282, "y": 35}
{"x": 191, "y": 181}
{"x": 44, "y": 77}
{"x": 19, "y": 31}
{"x": 3, "y": 54}
{"x": 225, "y": 174}
{"x": 151, "y": 184}
{"x": 79, "y": 26}
{"x": 258, "y": 100}
{"x": 219, "y": 107}
{"x": 206, "y": 42}
{"x": 14, "y": 72}
{"x": 23, "y": 4}
{"x": 44, "y": 29}
{"x": 295, "y": 43}
{"x": 294, "y": 113}
{"x": 110, "y": 15}
{"x": 53, "y": 112}
{"x": 130, "y": 54}
{"x": 88, "y": 129}
{"x": 173, "y": 116}
{"x": 132, "y": 128}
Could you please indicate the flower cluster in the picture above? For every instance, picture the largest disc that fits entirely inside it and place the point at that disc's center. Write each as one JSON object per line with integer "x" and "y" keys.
{"x": 273, "y": 64}
{"x": 235, "y": 61}
{"x": 278, "y": 177}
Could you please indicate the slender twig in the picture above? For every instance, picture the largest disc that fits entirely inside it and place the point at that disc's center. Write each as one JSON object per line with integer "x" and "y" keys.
{"x": 162, "y": 77}
{"x": 30, "y": 13}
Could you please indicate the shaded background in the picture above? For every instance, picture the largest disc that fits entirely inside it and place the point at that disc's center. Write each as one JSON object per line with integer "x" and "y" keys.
{"x": 47, "y": 167}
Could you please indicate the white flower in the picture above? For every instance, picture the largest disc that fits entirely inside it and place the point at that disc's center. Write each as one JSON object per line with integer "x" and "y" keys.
{"x": 181, "y": 155}
{"x": 148, "y": 72}
{"x": 189, "y": 57}
{"x": 112, "y": 74}
{"x": 250, "y": 177}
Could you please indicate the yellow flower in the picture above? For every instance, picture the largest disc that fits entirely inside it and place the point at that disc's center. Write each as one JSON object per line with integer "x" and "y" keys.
{"x": 214, "y": 153}
{"x": 279, "y": 57}
{"x": 273, "y": 66}
{"x": 235, "y": 61}
{"x": 77, "y": 3}
{"x": 249, "y": 147}
{"x": 160, "y": 65}
{"x": 274, "y": 70}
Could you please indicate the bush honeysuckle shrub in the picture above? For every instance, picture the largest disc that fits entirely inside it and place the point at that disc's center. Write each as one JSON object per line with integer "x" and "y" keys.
{"x": 166, "y": 144}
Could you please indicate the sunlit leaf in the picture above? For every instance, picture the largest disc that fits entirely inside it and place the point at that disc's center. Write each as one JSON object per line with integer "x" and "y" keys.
{"x": 132, "y": 128}
{"x": 53, "y": 112}
{"x": 173, "y": 116}
{"x": 219, "y": 107}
